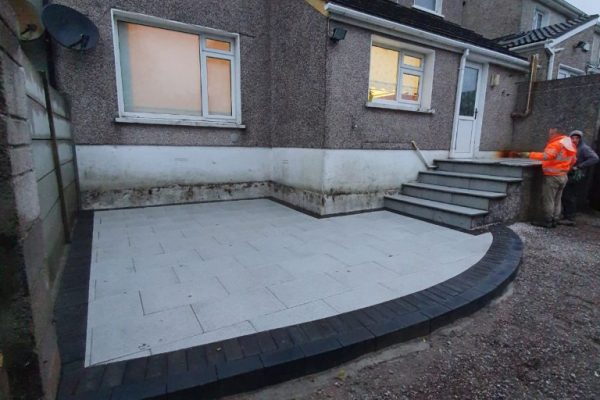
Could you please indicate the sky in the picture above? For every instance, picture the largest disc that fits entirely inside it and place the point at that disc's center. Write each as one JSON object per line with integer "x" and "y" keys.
{"x": 587, "y": 6}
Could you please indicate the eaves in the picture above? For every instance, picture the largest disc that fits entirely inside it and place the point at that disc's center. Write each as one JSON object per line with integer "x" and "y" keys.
{"x": 555, "y": 41}
{"x": 381, "y": 25}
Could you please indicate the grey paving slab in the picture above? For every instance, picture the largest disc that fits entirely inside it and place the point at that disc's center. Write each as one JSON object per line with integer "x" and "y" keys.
{"x": 236, "y": 308}
{"x": 308, "y": 312}
{"x": 162, "y": 298}
{"x": 307, "y": 289}
{"x": 129, "y": 336}
{"x": 168, "y": 278}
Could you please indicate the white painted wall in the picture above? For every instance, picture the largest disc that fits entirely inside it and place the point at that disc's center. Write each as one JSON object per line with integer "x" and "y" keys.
{"x": 125, "y": 167}
{"x": 104, "y": 168}
{"x": 300, "y": 168}
{"x": 372, "y": 170}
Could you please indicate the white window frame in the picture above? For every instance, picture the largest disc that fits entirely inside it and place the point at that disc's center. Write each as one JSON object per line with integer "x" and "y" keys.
{"x": 437, "y": 11}
{"x": 426, "y": 74}
{"x": 568, "y": 71}
{"x": 204, "y": 33}
{"x": 537, "y": 12}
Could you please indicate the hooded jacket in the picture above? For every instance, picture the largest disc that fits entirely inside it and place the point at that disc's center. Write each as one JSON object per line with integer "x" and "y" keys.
{"x": 586, "y": 157}
{"x": 558, "y": 156}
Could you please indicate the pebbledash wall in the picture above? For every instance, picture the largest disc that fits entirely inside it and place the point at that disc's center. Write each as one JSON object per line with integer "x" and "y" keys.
{"x": 309, "y": 139}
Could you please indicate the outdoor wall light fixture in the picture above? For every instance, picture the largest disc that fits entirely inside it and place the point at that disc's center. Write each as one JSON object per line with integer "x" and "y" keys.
{"x": 338, "y": 34}
{"x": 584, "y": 46}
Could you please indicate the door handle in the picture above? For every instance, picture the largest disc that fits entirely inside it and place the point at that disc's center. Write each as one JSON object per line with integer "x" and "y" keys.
{"x": 476, "y": 112}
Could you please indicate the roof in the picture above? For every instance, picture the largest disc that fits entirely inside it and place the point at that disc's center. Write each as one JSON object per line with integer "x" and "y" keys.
{"x": 544, "y": 33}
{"x": 422, "y": 20}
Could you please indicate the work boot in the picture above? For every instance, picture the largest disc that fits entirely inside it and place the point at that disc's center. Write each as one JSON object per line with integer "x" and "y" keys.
{"x": 566, "y": 222}
{"x": 543, "y": 224}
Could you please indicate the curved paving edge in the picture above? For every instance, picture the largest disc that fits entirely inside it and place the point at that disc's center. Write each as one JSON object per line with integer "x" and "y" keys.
{"x": 265, "y": 358}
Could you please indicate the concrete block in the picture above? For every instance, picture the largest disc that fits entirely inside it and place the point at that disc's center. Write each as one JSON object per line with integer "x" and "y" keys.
{"x": 33, "y": 252}
{"x": 42, "y": 157}
{"x": 17, "y": 132}
{"x": 8, "y": 40}
{"x": 26, "y": 198}
{"x": 21, "y": 160}
{"x": 13, "y": 79}
{"x": 38, "y": 120}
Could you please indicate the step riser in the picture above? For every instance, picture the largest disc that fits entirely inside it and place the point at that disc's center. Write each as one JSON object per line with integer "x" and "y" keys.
{"x": 465, "y": 183}
{"x": 480, "y": 169}
{"x": 445, "y": 197}
{"x": 439, "y": 216}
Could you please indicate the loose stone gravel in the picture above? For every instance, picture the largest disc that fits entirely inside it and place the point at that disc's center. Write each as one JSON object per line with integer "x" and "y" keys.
{"x": 540, "y": 340}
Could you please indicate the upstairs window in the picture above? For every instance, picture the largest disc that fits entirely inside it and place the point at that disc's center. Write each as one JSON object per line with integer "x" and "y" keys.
{"x": 434, "y": 6}
{"x": 539, "y": 18}
{"x": 167, "y": 70}
{"x": 400, "y": 76}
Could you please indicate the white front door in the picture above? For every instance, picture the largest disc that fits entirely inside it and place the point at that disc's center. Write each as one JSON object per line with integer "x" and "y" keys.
{"x": 468, "y": 129}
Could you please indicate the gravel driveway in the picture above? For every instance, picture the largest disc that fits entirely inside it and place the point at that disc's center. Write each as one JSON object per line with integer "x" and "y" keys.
{"x": 540, "y": 340}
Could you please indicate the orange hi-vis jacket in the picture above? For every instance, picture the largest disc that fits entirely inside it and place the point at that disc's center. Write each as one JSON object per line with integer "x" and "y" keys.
{"x": 558, "y": 157}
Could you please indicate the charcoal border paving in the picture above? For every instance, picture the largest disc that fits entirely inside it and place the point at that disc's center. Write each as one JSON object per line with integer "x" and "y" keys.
{"x": 268, "y": 357}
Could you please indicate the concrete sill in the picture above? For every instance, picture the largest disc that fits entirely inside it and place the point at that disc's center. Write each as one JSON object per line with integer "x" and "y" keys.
{"x": 399, "y": 107}
{"x": 179, "y": 122}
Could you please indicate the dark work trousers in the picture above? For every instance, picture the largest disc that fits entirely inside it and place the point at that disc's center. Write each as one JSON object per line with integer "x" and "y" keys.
{"x": 569, "y": 198}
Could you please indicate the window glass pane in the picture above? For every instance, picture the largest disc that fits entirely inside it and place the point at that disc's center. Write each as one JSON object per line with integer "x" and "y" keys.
{"x": 218, "y": 73}
{"x": 538, "y": 20}
{"x": 411, "y": 61}
{"x": 383, "y": 75}
{"x": 160, "y": 70}
{"x": 429, "y": 4}
{"x": 218, "y": 45}
{"x": 410, "y": 87}
{"x": 469, "y": 92}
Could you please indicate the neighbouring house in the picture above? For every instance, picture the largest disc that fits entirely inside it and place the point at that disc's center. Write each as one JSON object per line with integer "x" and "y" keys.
{"x": 566, "y": 40}
{"x": 256, "y": 98}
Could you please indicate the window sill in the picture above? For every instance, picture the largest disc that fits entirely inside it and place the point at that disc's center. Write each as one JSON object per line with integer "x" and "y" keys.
{"x": 400, "y": 107}
{"x": 180, "y": 122}
{"x": 429, "y": 11}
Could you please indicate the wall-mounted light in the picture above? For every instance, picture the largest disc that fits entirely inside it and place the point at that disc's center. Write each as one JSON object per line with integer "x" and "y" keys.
{"x": 338, "y": 34}
{"x": 584, "y": 46}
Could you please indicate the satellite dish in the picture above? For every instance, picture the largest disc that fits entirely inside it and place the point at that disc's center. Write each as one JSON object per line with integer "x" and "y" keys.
{"x": 69, "y": 27}
{"x": 28, "y": 20}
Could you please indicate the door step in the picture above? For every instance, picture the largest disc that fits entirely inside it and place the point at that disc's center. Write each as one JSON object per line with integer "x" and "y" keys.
{"x": 488, "y": 183}
{"x": 447, "y": 194}
{"x": 439, "y": 212}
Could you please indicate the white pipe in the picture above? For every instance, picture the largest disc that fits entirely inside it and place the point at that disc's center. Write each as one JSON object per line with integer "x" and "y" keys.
{"x": 552, "y": 53}
{"x": 461, "y": 74}
{"x": 424, "y": 36}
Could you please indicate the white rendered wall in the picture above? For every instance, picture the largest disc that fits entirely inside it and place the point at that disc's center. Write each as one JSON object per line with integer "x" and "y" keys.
{"x": 106, "y": 168}
{"x": 126, "y": 167}
{"x": 372, "y": 170}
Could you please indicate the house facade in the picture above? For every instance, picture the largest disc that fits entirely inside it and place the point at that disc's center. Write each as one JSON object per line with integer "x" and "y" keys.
{"x": 566, "y": 40}
{"x": 281, "y": 110}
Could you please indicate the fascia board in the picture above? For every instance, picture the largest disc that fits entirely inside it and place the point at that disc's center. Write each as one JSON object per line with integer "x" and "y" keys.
{"x": 363, "y": 20}
{"x": 575, "y": 31}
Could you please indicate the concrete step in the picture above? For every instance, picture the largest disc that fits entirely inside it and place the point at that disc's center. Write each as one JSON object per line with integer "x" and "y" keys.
{"x": 498, "y": 167}
{"x": 444, "y": 213}
{"x": 446, "y": 194}
{"x": 488, "y": 183}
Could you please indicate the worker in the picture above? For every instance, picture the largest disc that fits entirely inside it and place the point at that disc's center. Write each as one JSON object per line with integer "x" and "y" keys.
{"x": 557, "y": 159}
{"x": 586, "y": 157}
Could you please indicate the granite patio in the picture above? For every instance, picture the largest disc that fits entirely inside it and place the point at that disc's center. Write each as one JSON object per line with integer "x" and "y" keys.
{"x": 174, "y": 277}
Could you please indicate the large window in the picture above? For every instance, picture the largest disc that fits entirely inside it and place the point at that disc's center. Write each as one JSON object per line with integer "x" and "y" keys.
{"x": 172, "y": 71}
{"x": 434, "y": 6}
{"x": 400, "y": 76}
